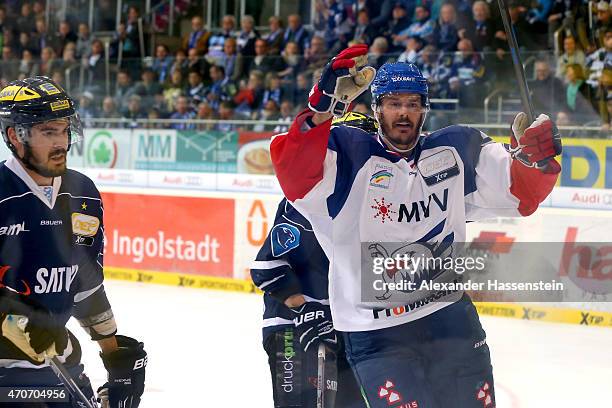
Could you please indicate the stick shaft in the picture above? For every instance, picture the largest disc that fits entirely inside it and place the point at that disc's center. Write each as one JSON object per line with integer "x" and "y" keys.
{"x": 69, "y": 382}
{"x": 516, "y": 61}
{"x": 321, "y": 376}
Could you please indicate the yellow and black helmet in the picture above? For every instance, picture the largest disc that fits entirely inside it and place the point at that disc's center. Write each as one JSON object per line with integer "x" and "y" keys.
{"x": 26, "y": 102}
{"x": 358, "y": 120}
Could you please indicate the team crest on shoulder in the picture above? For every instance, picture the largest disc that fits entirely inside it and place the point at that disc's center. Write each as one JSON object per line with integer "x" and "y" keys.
{"x": 84, "y": 225}
{"x": 284, "y": 238}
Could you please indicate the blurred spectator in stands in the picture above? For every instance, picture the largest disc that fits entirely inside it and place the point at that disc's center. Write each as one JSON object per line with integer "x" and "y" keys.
{"x": 58, "y": 77}
{"x": 399, "y": 22}
{"x": 563, "y": 15}
{"x": 27, "y": 66}
{"x": 195, "y": 62}
{"x": 65, "y": 35}
{"x": 527, "y": 35}
{"x": 411, "y": 53}
{"x": 205, "y": 112}
{"x": 579, "y": 95}
{"x": 339, "y": 26}
{"x": 104, "y": 17}
{"x": 38, "y": 9}
{"x": 182, "y": 112}
{"x": 296, "y": 33}
{"x": 600, "y": 59}
{"x": 48, "y": 62}
{"x": 162, "y": 63}
{"x": 173, "y": 88}
{"x": 301, "y": 90}
{"x": 273, "y": 89}
{"x": 246, "y": 37}
{"x": 221, "y": 88}
{"x": 480, "y": 29}
{"x": 468, "y": 75}
{"x": 269, "y": 112}
{"x": 606, "y": 125}
{"x": 25, "y": 43}
{"x": 378, "y": 52}
{"x": 95, "y": 70}
{"x": 10, "y": 65}
{"x": 274, "y": 38}
{"x": 196, "y": 91}
{"x": 445, "y": 36}
{"x": 428, "y": 64}
{"x": 422, "y": 26}
{"x": 571, "y": 55}
{"x": 547, "y": 90}
{"x": 216, "y": 41}
{"x": 5, "y": 23}
{"x": 232, "y": 61}
{"x": 198, "y": 36}
{"x": 87, "y": 109}
{"x": 293, "y": 61}
{"x": 84, "y": 39}
{"x": 124, "y": 89}
{"x": 286, "y": 117}
{"x": 109, "y": 111}
{"x": 134, "y": 111}
{"x": 132, "y": 33}
{"x": 249, "y": 97}
{"x": 603, "y": 23}
{"x": 386, "y": 12}
{"x": 364, "y": 31}
{"x": 148, "y": 87}
{"x": 538, "y": 13}
{"x": 180, "y": 62}
{"x": 126, "y": 45}
{"x": 226, "y": 112}
{"x": 26, "y": 22}
{"x": 316, "y": 55}
{"x": 319, "y": 19}
{"x": 42, "y": 38}
{"x": 263, "y": 61}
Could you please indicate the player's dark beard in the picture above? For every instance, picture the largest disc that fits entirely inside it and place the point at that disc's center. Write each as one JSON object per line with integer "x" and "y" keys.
{"x": 30, "y": 162}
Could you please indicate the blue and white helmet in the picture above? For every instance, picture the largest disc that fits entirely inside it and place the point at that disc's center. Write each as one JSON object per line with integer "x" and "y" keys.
{"x": 399, "y": 77}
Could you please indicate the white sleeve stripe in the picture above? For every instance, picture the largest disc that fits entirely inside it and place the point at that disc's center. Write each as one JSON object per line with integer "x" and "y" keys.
{"x": 84, "y": 295}
{"x": 276, "y": 321}
{"x": 263, "y": 285}
{"x": 268, "y": 264}
{"x": 15, "y": 196}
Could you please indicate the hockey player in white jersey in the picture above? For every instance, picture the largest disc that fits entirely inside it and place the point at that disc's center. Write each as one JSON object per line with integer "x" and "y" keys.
{"x": 51, "y": 256}
{"x": 401, "y": 186}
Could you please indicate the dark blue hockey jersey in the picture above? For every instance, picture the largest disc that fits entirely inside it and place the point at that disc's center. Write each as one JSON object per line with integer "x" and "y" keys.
{"x": 290, "y": 261}
{"x": 51, "y": 249}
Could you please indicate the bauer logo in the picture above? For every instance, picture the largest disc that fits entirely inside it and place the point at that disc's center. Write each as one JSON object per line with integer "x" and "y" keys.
{"x": 284, "y": 237}
{"x": 382, "y": 176}
{"x": 83, "y": 224}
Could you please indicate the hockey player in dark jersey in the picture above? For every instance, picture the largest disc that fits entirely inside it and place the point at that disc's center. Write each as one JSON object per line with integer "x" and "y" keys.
{"x": 291, "y": 269}
{"x": 51, "y": 254}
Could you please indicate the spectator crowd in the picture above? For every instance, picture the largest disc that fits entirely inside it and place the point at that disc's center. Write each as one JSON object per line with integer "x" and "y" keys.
{"x": 238, "y": 72}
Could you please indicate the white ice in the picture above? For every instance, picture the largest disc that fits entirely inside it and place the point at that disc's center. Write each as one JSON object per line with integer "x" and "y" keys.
{"x": 205, "y": 350}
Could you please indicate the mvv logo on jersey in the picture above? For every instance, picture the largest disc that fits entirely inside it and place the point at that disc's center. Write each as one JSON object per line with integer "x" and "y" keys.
{"x": 55, "y": 280}
{"x": 438, "y": 167}
{"x": 382, "y": 176}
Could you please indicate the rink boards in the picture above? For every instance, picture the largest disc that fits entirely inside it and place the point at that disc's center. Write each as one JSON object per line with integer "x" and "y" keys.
{"x": 207, "y": 240}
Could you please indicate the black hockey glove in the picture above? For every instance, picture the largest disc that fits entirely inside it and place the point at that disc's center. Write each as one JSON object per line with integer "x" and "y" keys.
{"x": 43, "y": 330}
{"x": 126, "y": 375}
{"x": 313, "y": 325}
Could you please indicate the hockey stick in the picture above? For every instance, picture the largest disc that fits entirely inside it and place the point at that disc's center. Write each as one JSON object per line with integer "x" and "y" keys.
{"x": 72, "y": 387}
{"x": 321, "y": 376}
{"x": 516, "y": 61}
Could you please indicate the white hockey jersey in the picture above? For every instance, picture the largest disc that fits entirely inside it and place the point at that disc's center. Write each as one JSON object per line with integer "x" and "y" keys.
{"x": 354, "y": 190}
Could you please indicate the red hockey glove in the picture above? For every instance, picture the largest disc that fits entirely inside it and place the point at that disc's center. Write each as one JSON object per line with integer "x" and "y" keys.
{"x": 342, "y": 81}
{"x": 536, "y": 145}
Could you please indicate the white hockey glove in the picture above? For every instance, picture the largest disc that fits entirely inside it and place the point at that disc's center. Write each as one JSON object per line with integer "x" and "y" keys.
{"x": 343, "y": 79}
